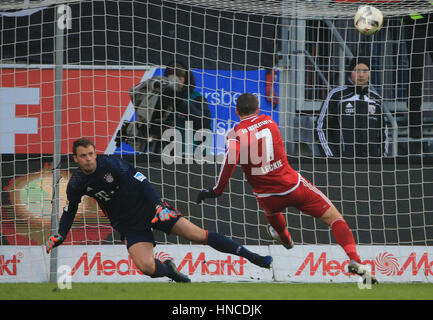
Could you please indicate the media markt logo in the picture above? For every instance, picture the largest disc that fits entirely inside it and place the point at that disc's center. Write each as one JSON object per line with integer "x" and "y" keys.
{"x": 162, "y": 256}
{"x": 8, "y": 267}
{"x": 110, "y": 266}
{"x": 104, "y": 267}
{"x": 101, "y": 264}
{"x": 387, "y": 264}
{"x": 205, "y": 266}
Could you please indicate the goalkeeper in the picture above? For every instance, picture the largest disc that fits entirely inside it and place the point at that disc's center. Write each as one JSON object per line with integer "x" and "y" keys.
{"x": 134, "y": 208}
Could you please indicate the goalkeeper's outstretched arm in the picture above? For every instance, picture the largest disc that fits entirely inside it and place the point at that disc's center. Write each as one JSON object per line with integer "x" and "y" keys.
{"x": 65, "y": 225}
{"x": 67, "y": 218}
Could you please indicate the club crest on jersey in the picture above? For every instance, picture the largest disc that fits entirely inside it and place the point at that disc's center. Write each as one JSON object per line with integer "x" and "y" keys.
{"x": 109, "y": 178}
{"x": 371, "y": 109}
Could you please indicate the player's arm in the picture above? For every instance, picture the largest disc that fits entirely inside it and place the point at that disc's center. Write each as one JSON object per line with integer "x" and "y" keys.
{"x": 143, "y": 183}
{"x": 129, "y": 174}
{"x": 67, "y": 218}
{"x": 163, "y": 211}
{"x": 65, "y": 224}
{"x": 231, "y": 159}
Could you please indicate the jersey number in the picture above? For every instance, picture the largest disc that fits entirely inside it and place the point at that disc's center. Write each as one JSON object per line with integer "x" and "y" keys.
{"x": 267, "y": 135}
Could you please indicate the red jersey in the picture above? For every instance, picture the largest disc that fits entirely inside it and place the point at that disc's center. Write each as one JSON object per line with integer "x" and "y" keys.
{"x": 256, "y": 144}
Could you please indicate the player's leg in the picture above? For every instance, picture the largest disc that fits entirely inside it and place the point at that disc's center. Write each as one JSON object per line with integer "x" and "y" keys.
{"x": 319, "y": 206}
{"x": 277, "y": 223}
{"x": 278, "y": 229}
{"x": 316, "y": 204}
{"x": 140, "y": 250}
{"x": 187, "y": 230}
{"x": 341, "y": 231}
{"x": 344, "y": 237}
{"x": 141, "y": 254}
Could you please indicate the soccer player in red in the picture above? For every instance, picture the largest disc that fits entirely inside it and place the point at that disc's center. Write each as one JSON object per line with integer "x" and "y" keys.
{"x": 256, "y": 144}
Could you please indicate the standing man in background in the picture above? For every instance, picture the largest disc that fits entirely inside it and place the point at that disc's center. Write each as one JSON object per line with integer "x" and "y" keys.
{"x": 351, "y": 122}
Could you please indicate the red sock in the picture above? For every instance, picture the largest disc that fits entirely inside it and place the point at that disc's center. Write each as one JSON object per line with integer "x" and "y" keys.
{"x": 278, "y": 222}
{"x": 344, "y": 237}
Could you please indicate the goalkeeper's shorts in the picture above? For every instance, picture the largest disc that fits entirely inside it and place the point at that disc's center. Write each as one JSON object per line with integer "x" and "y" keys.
{"x": 306, "y": 197}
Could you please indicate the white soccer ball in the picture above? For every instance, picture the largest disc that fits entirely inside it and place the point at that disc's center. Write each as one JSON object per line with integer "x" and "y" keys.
{"x": 368, "y": 20}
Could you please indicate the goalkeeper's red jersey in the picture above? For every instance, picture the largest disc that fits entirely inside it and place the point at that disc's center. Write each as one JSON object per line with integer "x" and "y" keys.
{"x": 256, "y": 144}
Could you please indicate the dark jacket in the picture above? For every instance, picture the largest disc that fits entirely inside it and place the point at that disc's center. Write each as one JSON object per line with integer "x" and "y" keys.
{"x": 175, "y": 108}
{"x": 352, "y": 124}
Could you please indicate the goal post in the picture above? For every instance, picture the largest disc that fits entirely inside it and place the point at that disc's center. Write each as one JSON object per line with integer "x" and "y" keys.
{"x": 67, "y": 70}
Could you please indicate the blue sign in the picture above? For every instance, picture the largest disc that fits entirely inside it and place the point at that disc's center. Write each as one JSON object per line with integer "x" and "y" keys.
{"x": 221, "y": 88}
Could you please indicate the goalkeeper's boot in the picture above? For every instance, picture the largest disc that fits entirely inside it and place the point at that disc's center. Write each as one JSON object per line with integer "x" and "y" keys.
{"x": 175, "y": 275}
{"x": 363, "y": 271}
{"x": 262, "y": 261}
{"x": 274, "y": 235}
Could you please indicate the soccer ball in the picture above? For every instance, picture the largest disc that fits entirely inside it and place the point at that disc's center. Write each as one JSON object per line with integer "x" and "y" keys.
{"x": 368, "y": 20}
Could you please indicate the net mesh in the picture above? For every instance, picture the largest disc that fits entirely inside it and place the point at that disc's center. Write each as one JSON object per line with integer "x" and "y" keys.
{"x": 319, "y": 9}
{"x": 231, "y": 47}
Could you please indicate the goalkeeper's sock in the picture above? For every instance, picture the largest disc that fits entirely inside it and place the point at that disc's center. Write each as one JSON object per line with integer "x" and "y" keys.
{"x": 344, "y": 237}
{"x": 278, "y": 222}
{"x": 161, "y": 270}
{"x": 223, "y": 244}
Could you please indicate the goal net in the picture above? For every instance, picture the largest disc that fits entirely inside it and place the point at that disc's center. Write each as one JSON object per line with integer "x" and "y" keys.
{"x": 72, "y": 69}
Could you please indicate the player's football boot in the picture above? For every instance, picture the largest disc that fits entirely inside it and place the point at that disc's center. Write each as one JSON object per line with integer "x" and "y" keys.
{"x": 175, "y": 274}
{"x": 262, "y": 261}
{"x": 267, "y": 262}
{"x": 363, "y": 271}
{"x": 274, "y": 235}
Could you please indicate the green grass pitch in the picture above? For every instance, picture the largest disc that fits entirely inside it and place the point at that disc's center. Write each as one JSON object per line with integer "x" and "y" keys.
{"x": 215, "y": 291}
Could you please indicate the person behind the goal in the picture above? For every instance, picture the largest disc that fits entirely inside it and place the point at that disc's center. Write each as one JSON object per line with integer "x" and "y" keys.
{"x": 134, "y": 208}
{"x": 256, "y": 144}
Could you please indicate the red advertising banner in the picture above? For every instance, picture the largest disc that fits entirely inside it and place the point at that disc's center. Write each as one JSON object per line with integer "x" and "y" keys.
{"x": 94, "y": 102}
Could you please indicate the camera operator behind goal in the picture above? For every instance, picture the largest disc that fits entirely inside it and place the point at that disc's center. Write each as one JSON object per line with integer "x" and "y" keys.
{"x": 163, "y": 103}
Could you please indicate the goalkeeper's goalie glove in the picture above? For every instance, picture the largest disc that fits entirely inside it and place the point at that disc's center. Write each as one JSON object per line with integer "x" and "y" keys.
{"x": 164, "y": 212}
{"x": 53, "y": 241}
{"x": 206, "y": 194}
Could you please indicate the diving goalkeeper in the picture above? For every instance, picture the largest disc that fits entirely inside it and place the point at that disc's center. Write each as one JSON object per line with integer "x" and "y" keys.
{"x": 133, "y": 207}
